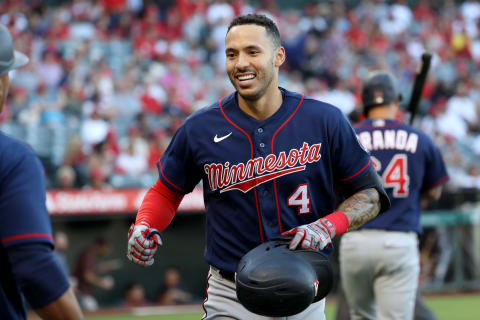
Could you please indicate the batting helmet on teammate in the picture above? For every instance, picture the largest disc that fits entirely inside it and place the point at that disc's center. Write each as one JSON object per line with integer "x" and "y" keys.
{"x": 379, "y": 88}
{"x": 9, "y": 58}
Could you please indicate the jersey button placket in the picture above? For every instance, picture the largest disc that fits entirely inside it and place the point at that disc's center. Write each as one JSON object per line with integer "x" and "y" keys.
{"x": 260, "y": 131}
{"x": 259, "y": 141}
{"x": 265, "y": 200}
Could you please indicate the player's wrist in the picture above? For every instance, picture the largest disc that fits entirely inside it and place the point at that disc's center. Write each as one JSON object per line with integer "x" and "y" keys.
{"x": 142, "y": 223}
{"x": 336, "y": 223}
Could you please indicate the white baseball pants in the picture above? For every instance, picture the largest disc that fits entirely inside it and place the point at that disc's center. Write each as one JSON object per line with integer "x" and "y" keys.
{"x": 379, "y": 273}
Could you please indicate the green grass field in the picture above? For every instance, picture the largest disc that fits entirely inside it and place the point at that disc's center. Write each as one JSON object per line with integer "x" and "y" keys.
{"x": 458, "y": 307}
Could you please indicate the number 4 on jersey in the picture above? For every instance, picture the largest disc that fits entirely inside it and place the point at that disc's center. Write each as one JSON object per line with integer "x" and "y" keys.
{"x": 301, "y": 199}
{"x": 396, "y": 176}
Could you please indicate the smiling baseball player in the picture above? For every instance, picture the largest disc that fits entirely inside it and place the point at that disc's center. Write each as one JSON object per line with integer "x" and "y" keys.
{"x": 271, "y": 162}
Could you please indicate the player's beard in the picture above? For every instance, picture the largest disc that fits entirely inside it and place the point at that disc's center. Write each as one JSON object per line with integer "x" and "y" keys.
{"x": 264, "y": 80}
{"x": 4, "y": 84}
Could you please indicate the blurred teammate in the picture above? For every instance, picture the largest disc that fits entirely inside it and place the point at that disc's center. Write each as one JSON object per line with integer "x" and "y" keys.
{"x": 28, "y": 267}
{"x": 270, "y": 161}
{"x": 90, "y": 272}
{"x": 379, "y": 263}
{"x": 172, "y": 291}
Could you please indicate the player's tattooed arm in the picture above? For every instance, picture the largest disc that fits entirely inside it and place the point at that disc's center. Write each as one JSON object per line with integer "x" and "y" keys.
{"x": 361, "y": 207}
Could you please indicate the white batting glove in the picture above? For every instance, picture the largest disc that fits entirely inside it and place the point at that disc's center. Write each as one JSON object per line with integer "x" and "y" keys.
{"x": 143, "y": 242}
{"x": 313, "y": 236}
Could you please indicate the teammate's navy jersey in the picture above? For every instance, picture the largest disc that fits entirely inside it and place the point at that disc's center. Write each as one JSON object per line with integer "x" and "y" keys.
{"x": 408, "y": 163}
{"x": 23, "y": 221}
{"x": 261, "y": 178}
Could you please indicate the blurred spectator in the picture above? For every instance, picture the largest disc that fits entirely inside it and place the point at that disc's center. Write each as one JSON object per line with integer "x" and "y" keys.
{"x": 102, "y": 162}
{"x": 220, "y": 11}
{"x": 340, "y": 96}
{"x": 397, "y": 20}
{"x": 143, "y": 126}
{"x": 172, "y": 291}
{"x": 51, "y": 69}
{"x": 61, "y": 247}
{"x": 130, "y": 162}
{"x": 94, "y": 131}
{"x": 125, "y": 98}
{"x": 463, "y": 106}
{"x": 134, "y": 296}
{"x": 98, "y": 180}
{"x": 472, "y": 180}
{"x": 156, "y": 146}
{"x": 90, "y": 272}
{"x": 65, "y": 177}
{"x": 135, "y": 139}
{"x": 76, "y": 159}
{"x": 19, "y": 103}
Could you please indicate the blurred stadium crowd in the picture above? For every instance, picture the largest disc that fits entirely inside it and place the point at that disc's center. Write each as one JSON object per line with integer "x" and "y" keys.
{"x": 110, "y": 80}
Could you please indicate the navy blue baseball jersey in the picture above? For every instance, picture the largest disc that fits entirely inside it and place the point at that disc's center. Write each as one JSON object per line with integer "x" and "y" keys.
{"x": 261, "y": 178}
{"x": 27, "y": 267}
{"x": 409, "y": 163}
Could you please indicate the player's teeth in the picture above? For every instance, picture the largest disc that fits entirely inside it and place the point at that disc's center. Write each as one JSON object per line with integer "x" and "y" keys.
{"x": 246, "y": 77}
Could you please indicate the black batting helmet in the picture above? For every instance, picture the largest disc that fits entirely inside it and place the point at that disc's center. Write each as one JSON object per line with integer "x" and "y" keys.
{"x": 274, "y": 281}
{"x": 380, "y": 88}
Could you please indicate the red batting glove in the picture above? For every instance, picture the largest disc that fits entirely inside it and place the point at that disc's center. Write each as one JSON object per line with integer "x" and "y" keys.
{"x": 143, "y": 242}
{"x": 318, "y": 235}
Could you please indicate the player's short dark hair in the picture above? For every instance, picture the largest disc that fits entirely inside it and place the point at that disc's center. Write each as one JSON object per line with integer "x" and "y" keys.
{"x": 259, "y": 20}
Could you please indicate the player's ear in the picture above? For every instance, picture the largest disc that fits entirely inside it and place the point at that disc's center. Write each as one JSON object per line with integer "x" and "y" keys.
{"x": 279, "y": 56}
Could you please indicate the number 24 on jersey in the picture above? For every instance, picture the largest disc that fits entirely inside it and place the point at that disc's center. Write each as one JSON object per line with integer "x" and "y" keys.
{"x": 395, "y": 175}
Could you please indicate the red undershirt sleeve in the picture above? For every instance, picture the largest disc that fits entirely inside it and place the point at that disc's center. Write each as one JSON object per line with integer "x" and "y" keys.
{"x": 159, "y": 206}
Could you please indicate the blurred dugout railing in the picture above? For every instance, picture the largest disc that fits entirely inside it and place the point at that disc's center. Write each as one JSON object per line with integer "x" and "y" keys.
{"x": 457, "y": 237}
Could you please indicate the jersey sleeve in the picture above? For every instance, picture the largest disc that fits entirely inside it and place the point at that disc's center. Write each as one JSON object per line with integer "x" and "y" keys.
{"x": 350, "y": 160}
{"x": 435, "y": 170}
{"x": 37, "y": 273}
{"x": 23, "y": 212}
{"x": 177, "y": 168}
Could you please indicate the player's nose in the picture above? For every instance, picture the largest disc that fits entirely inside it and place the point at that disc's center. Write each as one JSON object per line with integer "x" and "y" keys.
{"x": 242, "y": 62}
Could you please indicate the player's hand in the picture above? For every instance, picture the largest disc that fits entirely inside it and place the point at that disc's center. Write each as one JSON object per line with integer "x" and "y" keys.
{"x": 143, "y": 242}
{"x": 313, "y": 236}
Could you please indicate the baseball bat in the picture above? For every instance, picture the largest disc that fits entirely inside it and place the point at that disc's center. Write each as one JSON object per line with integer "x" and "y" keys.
{"x": 418, "y": 85}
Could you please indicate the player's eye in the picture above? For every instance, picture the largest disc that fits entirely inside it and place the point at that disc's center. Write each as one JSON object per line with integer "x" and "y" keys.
{"x": 230, "y": 55}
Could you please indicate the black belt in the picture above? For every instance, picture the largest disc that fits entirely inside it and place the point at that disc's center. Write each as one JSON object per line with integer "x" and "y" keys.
{"x": 227, "y": 275}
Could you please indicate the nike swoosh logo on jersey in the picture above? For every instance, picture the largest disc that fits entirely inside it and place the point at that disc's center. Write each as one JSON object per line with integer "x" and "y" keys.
{"x": 217, "y": 139}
